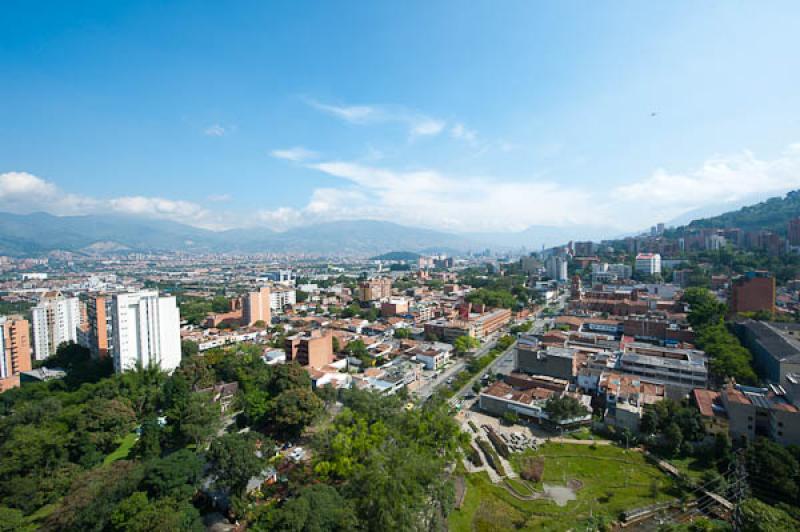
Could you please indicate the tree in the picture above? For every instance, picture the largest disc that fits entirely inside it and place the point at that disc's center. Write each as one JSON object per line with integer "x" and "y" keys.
{"x": 317, "y": 507}
{"x": 560, "y": 409}
{"x": 189, "y": 349}
{"x": 93, "y": 496}
{"x": 234, "y": 461}
{"x": 194, "y": 420}
{"x": 705, "y": 308}
{"x": 511, "y": 417}
{"x": 464, "y": 344}
{"x": 760, "y": 517}
{"x": 139, "y": 513}
{"x": 773, "y": 470}
{"x": 402, "y": 333}
{"x": 149, "y": 443}
{"x": 176, "y": 475}
{"x": 295, "y": 409}
{"x": 12, "y": 520}
{"x": 336, "y": 344}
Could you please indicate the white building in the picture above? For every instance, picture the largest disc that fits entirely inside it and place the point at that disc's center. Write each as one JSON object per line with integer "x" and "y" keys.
{"x": 556, "y": 268}
{"x": 648, "y": 263}
{"x": 55, "y": 320}
{"x": 280, "y": 296}
{"x": 147, "y": 331}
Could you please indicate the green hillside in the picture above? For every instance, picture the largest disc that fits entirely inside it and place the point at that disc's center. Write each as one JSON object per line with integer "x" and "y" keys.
{"x": 773, "y": 215}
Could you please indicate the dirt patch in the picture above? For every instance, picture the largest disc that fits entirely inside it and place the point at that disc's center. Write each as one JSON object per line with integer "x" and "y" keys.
{"x": 560, "y": 495}
{"x": 461, "y": 491}
{"x": 574, "y": 484}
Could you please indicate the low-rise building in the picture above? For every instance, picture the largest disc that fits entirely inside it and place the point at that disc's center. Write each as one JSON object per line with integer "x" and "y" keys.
{"x": 681, "y": 370}
{"x": 764, "y": 412}
{"x": 527, "y": 395}
{"x": 558, "y": 362}
{"x": 314, "y": 349}
{"x": 775, "y": 348}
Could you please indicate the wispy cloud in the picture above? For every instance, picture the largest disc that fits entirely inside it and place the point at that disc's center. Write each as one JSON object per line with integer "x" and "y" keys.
{"x": 431, "y": 198}
{"x": 462, "y": 132}
{"x": 214, "y": 130}
{"x": 428, "y": 197}
{"x": 418, "y": 124}
{"x": 220, "y": 198}
{"x": 296, "y": 154}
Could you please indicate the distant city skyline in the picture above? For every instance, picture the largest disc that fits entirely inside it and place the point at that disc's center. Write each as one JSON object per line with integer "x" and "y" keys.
{"x": 478, "y": 117}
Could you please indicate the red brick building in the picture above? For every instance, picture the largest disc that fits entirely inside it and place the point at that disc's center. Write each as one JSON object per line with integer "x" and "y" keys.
{"x": 753, "y": 292}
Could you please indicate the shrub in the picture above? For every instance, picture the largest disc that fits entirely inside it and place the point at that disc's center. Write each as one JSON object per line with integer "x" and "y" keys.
{"x": 491, "y": 457}
{"x": 499, "y": 444}
{"x": 532, "y": 468}
{"x": 473, "y": 455}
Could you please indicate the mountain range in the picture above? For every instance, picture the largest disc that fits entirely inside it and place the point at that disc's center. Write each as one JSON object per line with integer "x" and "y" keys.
{"x": 40, "y": 233}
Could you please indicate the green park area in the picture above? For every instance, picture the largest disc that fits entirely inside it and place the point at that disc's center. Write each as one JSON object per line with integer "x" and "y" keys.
{"x": 604, "y": 480}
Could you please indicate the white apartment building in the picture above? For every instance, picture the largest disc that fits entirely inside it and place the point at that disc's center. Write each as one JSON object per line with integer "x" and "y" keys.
{"x": 146, "y": 331}
{"x": 648, "y": 263}
{"x": 280, "y": 296}
{"x": 55, "y": 320}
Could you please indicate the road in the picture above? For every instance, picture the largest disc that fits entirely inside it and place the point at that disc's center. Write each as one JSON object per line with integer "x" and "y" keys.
{"x": 502, "y": 364}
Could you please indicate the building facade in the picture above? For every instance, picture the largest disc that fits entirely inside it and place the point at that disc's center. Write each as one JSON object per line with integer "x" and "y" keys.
{"x": 375, "y": 289}
{"x": 256, "y": 306}
{"x": 15, "y": 350}
{"x": 753, "y": 292}
{"x": 56, "y": 320}
{"x": 146, "y": 331}
{"x": 648, "y": 263}
{"x": 280, "y": 297}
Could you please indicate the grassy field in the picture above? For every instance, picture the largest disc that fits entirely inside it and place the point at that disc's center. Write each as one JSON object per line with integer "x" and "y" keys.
{"x": 613, "y": 480}
{"x": 691, "y": 467}
{"x": 125, "y": 446}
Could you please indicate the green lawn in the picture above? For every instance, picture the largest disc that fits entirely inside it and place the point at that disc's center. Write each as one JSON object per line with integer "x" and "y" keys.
{"x": 125, "y": 446}
{"x": 613, "y": 480}
{"x": 691, "y": 467}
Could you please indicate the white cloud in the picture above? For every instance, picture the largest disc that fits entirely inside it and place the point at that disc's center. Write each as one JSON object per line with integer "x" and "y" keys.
{"x": 296, "y": 154}
{"x": 720, "y": 179}
{"x": 215, "y": 130}
{"x": 430, "y": 198}
{"x": 21, "y": 192}
{"x": 220, "y": 198}
{"x": 355, "y": 114}
{"x": 418, "y": 124}
{"x": 462, "y": 132}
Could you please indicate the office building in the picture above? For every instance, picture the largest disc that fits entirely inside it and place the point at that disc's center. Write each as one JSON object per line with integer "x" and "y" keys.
{"x": 56, "y": 320}
{"x": 648, "y": 263}
{"x": 146, "y": 331}
{"x": 256, "y": 307}
{"x": 753, "y": 292}
{"x": 15, "y": 350}
{"x": 556, "y": 268}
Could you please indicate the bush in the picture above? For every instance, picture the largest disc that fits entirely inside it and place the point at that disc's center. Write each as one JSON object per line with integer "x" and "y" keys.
{"x": 473, "y": 426}
{"x": 499, "y": 444}
{"x": 491, "y": 457}
{"x": 532, "y": 469}
{"x": 473, "y": 455}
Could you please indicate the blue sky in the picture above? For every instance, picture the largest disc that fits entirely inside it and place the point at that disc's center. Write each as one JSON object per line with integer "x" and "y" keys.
{"x": 464, "y": 116}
